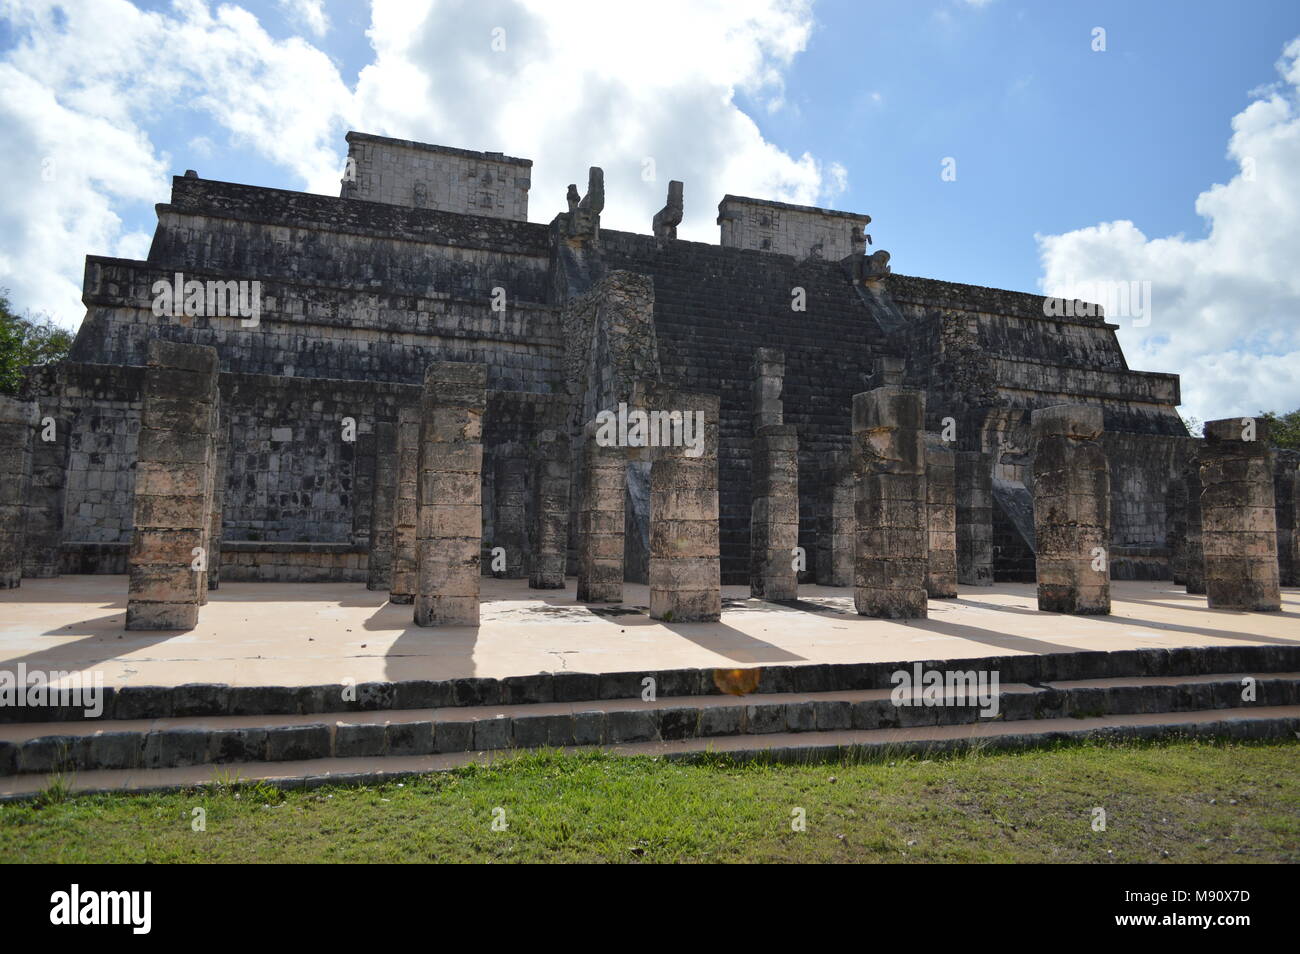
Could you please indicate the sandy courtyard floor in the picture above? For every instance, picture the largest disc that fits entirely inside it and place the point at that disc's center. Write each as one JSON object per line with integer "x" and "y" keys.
{"x": 316, "y": 633}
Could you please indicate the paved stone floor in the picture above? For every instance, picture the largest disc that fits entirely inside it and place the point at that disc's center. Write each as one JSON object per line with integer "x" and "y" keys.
{"x": 314, "y": 633}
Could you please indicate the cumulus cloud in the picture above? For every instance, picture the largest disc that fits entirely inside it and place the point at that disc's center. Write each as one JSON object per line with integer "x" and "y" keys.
{"x": 647, "y": 91}
{"x": 1224, "y": 306}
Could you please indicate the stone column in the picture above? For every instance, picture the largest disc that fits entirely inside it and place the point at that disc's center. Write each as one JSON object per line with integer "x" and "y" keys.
{"x": 449, "y": 538}
{"x": 774, "y": 512}
{"x": 1193, "y": 539}
{"x": 18, "y": 420}
{"x": 383, "y": 503}
{"x": 974, "y": 480}
{"x": 600, "y": 521}
{"x": 43, "y": 535}
{"x": 221, "y": 449}
{"x": 1176, "y": 529}
{"x": 174, "y": 476}
{"x": 402, "y": 587}
{"x": 890, "y": 505}
{"x": 941, "y": 510}
{"x": 550, "y": 506}
{"x": 1238, "y": 516}
{"x": 1295, "y": 535}
{"x": 1284, "y": 477}
{"x": 1071, "y": 510}
{"x": 685, "y": 570}
{"x": 510, "y": 511}
{"x": 836, "y": 529}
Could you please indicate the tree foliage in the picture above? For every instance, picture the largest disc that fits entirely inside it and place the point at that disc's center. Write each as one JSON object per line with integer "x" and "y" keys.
{"x": 27, "y": 340}
{"x": 1284, "y": 429}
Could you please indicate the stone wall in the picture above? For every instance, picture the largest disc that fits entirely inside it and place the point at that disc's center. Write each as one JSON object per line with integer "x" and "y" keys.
{"x": 798, "y": 230}
{"x": 402, "y": 172}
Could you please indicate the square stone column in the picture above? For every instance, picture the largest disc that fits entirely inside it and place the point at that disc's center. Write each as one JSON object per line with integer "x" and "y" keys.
{"x": 43, "y": 534}
{"x": 383, "y": 504}
{"x": 221, "y": 448}
{"x": 402, "y": 585}
{"x": 1295, "y": 535}
{"x": 836, "y": 523}
{"x": 550, "y": 506}
{"x": 1176, "y": 529}
{"x": 685, "y": 569}
{"x": 974, "y": 480}
{"x": 600, "y": 521}
{"x": 1071, "y": 510}
{"x": 941, "y": 510}
{"x": 774, "y": 521}
{"x": 890, "y": 507}
{"x": 1238, "y": 516}
{"x": 768, "y": 371}
{"x": 174, "y": 478}
{"x": 18, "y": 420}
{"x": 1193, "y": 538}
{"x": 1284, "y": 477}
{"x": 449, "y": 535}
{"x": 510, "y": 509}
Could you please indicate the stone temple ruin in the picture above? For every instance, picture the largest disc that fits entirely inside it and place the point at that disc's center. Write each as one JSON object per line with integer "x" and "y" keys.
{"x": 402, "y": 387}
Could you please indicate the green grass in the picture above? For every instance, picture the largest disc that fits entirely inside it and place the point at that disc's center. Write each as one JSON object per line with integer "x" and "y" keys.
{"x": 1181, "y": 801}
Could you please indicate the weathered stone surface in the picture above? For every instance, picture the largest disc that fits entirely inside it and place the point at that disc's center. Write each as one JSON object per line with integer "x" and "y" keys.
{"x": 974, "y": 488}
{"x": 174, "y": 498}
{"x": 379, "y": 570}
{"x": 405, "y": 508}
{"x": 550, "y": 506}
{"x": 685, "y": 575}
{"x": 892, "y": 523}
{"x": 837, "y": 529}
{"x": 600, "y": 521}
{"x": 1193, "y": 539}
{"x": 774, "y": 527}
{"x": 449, "y": 525}
{"x": 18, "y": 421}
{"x": 941, "y": 512}
{"x": 1071, "y": 510}
{"x": 1238, "y": 516}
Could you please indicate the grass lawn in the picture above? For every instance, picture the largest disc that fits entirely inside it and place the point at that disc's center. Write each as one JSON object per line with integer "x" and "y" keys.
{"x": 1182, "y": 801}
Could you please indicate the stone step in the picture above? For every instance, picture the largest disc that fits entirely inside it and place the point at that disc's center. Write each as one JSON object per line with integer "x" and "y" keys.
{"x": 1237, "y": 724}
{"x": 35, "y": 748}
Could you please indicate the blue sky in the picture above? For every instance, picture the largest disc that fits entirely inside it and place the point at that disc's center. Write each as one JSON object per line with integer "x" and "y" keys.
{"x": 1071, "y": 164}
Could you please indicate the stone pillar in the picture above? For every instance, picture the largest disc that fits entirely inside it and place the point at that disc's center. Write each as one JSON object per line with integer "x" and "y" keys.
{"x": 1071, "y": 510}
{"x": 685, "y": 570}
{"x": 1295, "y": 535}
{"x": 43, "y": 534}
{"x": 1176, "y": 529}
{"x": 449, "y": 538}
{"x": 402, "y": 586}
{"x": 221, "y": 449}
{"x": 550, "y": 506}
{"x": 1284, "y": 477}
{"x": 18, "y": 420}
{"x": 600, "y": 521}
{"x": 383, "y": 502}
{"x": 890, "y": 506}
{"x": 510, "y": 510}
{"x": 774, "y": 512}
{"x": 941, "y": 510}
{"x": 836, "y": 528}
{"x": 174, "y": 476}
{"x": 1238, "y": 516}
{"x": 974, "y": 480}
{"x": 1193, "y": 539}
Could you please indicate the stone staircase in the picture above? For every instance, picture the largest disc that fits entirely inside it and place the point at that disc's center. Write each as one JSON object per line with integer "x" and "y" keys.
{"x": 714, "y": 307}
{"x": 160, "y": 737}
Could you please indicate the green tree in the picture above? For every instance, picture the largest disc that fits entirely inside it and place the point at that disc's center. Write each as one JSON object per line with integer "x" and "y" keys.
{"x": 1284, "y": 428}
{"x": 27, "y": 340}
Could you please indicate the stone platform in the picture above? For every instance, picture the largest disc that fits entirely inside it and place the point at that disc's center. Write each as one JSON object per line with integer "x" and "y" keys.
{"x": 268, "y": 634}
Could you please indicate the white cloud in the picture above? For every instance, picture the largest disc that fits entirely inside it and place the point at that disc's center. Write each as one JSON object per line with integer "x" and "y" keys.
{"x": 1224, "y": 306}
{"x": 98, "y": 84}
{"x": 310, "y": 13}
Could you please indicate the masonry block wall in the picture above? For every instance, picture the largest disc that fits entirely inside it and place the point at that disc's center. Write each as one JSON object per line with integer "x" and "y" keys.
{"x": 405, "y": 508}
{"x": 601, "y": 521}
{"x": 1193, "y": 535}
{"x": 1238, "y": 516}
{"x": 174, "y": 478}
{"x": 17, "y": 431}
{"x": 836, "y": 525}
{"x": 974, "y": 490}
{"x": 798, "y": 230}
{"x": 384, "y": 495}
{"x": 550, "y": 505}
{"x": 402, "y": 172}
{"x": 941, "y": 511}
